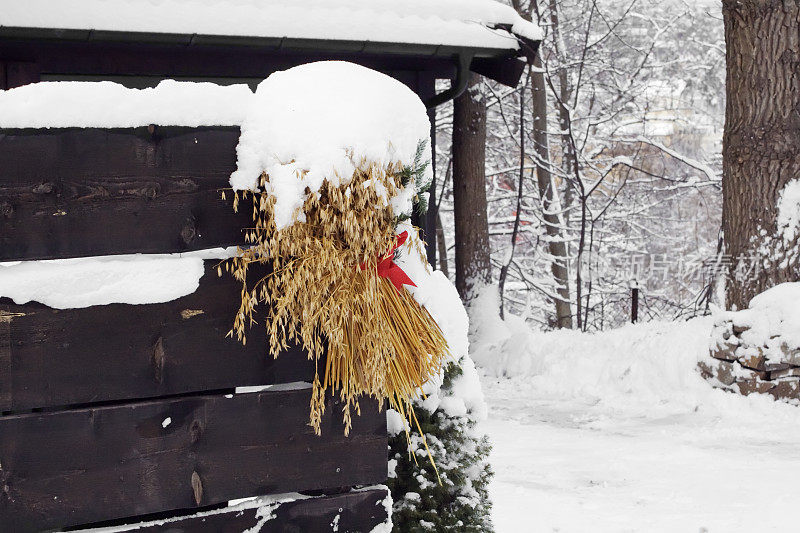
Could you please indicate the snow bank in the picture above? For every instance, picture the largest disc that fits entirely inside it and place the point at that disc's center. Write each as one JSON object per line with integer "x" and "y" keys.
{"x": 650, "y": 369}
{"x": 503, "y": 347}
{"x": 643, "y": 367}
{"x": 88, "y": 281}
{"x": 317, "y": 121}
{"x": 445, "y": 22}
{"x": 105, "y": 104}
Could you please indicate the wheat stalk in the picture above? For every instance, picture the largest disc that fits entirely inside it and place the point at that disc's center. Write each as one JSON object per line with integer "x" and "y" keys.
{"x": 380, "y": 342}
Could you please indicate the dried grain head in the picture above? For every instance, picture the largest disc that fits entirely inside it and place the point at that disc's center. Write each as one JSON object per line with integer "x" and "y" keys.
{"x": 323, "y": 290}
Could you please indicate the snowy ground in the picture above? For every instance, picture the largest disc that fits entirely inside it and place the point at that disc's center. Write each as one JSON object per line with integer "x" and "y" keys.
{"x": 617, "y": 432}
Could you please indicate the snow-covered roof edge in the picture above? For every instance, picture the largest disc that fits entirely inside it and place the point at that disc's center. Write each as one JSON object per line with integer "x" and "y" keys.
{"x": 482, "y": 24}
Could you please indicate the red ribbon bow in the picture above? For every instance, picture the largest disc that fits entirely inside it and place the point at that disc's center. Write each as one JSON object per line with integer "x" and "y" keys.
{"x": 388, "y": 269}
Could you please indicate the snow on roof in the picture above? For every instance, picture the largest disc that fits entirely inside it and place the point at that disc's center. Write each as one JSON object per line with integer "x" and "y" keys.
{"x": 463, "y": 23}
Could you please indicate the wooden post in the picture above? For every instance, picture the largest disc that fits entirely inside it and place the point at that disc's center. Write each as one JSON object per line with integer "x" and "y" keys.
{"x": 430, "y": 215}
{"x": 634, "y": 301}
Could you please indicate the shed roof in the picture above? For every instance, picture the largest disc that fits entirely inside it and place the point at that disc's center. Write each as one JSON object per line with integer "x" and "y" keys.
{"x": 483, "y": 25}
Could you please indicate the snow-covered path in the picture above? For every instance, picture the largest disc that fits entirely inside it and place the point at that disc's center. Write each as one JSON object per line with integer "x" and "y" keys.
{"x": 615, "y": 432}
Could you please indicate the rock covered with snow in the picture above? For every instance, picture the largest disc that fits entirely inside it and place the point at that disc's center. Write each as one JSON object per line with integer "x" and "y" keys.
{"x": 775, "y": 313}
{"x": 318, "y": 122}
{"x": 758, "y": 349}
{"x": 77, "y": 104}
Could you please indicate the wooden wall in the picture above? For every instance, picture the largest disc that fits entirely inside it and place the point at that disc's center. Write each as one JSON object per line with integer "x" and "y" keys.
{"x": 84, "y": 192}
{"x": 119, "y": 411}
{"x": 353, "y": 511}
{"x": 137, "y": 61}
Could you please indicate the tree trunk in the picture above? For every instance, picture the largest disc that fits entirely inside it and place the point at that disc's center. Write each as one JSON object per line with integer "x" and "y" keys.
{"x": 550, "y": 204}
{"x": 554, "y": 223}
{"x": 761, "y": 143}
{"x": 569, "y": 160}
{"x": 442, "y": 246}
{"x": 473, "y": 266}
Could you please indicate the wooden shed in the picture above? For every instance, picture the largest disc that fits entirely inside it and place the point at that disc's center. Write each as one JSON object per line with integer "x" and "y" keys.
{"x": 120, "y": 414}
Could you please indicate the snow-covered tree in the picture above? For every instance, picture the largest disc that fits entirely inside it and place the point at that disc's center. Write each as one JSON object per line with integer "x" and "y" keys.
{"x": 453, "y": 496}
{"x": 630, "y": 140}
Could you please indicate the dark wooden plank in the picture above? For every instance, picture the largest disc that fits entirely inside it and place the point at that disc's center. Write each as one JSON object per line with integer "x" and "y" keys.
{"x": 20, "y": 73}
{"x": 83, "y": 192}
{"x": 351, "y": 512}
{"x": 51, "y": 357}
{"x": 89, "y": 465}
{"x": 5, "y": 359}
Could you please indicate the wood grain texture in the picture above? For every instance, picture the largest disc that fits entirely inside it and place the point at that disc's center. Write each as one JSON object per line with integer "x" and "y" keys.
{"x": 352, "y": 512}
{"x": 90, "y": 465}
{"x": 83, "y": 192}
{"x": 51, "y": 357}
{"x": 5, "y": 359}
